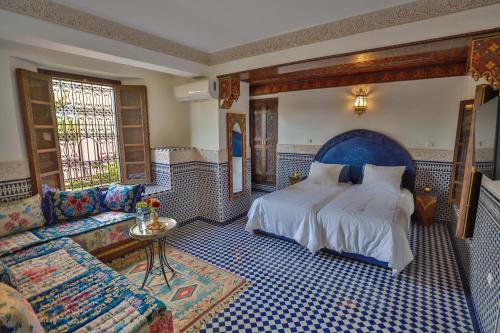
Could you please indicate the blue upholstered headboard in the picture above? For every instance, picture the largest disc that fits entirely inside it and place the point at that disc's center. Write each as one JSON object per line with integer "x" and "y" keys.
{"x": 360, "y": 147}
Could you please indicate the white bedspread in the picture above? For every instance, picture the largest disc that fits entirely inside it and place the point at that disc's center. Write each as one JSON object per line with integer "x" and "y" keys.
{"x": 291, "y": 212}
{"x": 369, "y": 222}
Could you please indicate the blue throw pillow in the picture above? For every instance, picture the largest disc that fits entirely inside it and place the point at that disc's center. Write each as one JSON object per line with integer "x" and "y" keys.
{"x": 121, "y": 197}
{"x": 6, "y": 276}
{"x": 60, "y": 206}
{"x": 345, "y": 174}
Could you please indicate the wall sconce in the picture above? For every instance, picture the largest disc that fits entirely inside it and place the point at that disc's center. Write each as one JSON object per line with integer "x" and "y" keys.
{"x": 360, "y": 102}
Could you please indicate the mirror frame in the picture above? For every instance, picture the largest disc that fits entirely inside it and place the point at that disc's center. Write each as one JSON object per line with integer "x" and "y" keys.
{"x": 231, "y": 120}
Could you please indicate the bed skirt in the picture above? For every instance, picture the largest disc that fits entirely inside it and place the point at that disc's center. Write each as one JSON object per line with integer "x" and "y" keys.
{"x": 355, "y": 256}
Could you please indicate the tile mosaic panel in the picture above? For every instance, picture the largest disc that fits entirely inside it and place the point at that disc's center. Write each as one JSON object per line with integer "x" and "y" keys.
{"x": 15, "y": 189}
{"x": 200, "y": 190}
{"x": 436, "y": 175}
{"x": 485, "y": 262}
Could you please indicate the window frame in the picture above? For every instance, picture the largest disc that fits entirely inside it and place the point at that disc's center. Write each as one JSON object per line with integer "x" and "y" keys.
{"x": 24, "y": 76}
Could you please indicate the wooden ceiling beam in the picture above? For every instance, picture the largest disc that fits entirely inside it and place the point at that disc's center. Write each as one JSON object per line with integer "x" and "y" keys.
{"x": 413, "y": 73}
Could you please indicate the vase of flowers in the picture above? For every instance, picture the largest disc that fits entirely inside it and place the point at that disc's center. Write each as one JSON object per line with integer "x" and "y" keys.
{"x": 151, "y": 204}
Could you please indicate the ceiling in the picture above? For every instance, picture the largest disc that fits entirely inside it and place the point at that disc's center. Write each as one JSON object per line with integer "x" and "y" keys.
{"x": 213, "y": 25}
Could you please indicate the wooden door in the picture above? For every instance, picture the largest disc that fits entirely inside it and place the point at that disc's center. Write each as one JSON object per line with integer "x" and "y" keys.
{"x": 40, "y": 130}
{"x": 132, "y": 121}
{"x": 264, "y": 138}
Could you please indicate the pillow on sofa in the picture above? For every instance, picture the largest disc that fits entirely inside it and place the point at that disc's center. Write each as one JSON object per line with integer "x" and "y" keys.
{"x": 69, "y": 205}
{"x": 121, "y": 197}
{"x": 20, "y": 215}
{"x": 6, "y": 275}
{"x": 16, "y": 313}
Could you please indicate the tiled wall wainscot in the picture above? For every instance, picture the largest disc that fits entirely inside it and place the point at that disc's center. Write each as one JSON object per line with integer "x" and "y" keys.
{"x": 485, "y": 262}
{"x": 15, "y": 189}
{"x": 197, "y": 189}
{"x": 436, "y": 175}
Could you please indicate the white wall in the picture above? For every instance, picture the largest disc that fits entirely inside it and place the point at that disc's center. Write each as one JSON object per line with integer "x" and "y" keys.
{"x": 168, "y": 119}
{"x": 415, "y": 113}
{"x": 208, "y": 122}
{"x": 204, "y": 124}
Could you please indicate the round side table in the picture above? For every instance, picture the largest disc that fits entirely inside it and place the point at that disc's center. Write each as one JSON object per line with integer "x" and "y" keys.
{"x": 151, "y": 238}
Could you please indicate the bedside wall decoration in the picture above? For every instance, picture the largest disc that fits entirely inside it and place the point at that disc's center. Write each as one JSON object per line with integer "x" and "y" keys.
{"x": 484, "y": 60}
{"x": 229, "y": 91}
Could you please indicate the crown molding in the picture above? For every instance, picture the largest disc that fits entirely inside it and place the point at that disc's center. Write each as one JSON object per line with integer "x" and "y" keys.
{"x": 52, "y": 12}
{"x": 385, "y": 18}
{"x": 407, "y": 13}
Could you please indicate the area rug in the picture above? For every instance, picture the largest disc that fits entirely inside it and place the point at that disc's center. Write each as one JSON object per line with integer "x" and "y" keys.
{"x": 198, "y": 290}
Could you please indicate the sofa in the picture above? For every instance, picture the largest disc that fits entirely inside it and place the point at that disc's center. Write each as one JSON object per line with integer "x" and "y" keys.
{"x": 46, "y": 261}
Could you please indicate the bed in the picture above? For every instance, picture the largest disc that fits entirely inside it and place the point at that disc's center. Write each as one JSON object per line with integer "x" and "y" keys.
{"x": 291, "y": 212}
{"x": 352, "y": 220}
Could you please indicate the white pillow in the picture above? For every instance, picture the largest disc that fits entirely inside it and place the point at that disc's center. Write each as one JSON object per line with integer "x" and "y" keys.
{"x": 383, "y": 177}
{"x": 325, "y": 174}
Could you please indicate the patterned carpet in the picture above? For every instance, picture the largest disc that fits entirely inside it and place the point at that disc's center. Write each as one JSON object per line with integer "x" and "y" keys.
{"x": 198, "y": 289}
{"x": 294, "y": 291}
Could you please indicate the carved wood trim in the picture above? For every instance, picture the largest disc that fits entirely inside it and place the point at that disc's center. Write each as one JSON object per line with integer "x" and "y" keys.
{"x": 418, "y": 73}
{"x": 455, "y": 182}
{"x": 229, "y": 91}
{"x": 484, "y": 60}
{"x": 466, "y": 195}
{"x": 231, "y": 119}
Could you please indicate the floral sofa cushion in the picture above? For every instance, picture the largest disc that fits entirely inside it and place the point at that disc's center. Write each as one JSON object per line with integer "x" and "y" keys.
{"x": 88, "y": 228}
{"x": 6, "y": 276}
{"x": 70, "y": 205}
{"x": 16, "y": 313}
{"x": 104, "y": 236}
{"x": 121, "y": 197}
{"x": 70, "y": 290}
{"x": 20, "y": 215}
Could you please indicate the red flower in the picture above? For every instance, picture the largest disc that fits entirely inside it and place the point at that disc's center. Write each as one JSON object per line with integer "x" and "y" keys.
{"x": 155, "y": 204}
{"x": 148, "y": 201}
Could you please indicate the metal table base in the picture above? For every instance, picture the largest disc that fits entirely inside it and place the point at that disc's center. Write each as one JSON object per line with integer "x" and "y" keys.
{"x": 162, "y": 258}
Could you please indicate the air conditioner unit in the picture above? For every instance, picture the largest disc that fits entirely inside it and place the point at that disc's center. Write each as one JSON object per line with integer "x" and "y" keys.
{"x": 197, "y": 91}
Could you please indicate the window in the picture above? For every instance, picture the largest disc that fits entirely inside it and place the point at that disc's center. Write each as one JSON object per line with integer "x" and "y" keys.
{"x": 460, "y": 153}
{"x": 83, "y": 132}
{"x": 86, "y": 126}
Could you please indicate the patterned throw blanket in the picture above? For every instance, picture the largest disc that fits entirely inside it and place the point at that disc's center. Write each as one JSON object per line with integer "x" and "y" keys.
{"x": 16, "y": 242}
{"x": 70, "y": 291}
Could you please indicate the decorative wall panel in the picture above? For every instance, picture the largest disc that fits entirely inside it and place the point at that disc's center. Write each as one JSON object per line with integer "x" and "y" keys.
{"x": 199, "y": 190}
{"x": 480, "y": 258}
{"x": 15, "y": 189}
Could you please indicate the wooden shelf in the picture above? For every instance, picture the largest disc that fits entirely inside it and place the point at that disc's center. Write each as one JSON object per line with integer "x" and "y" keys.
{"x": 43, "y": 126}
{"x": 40, "y": 102}
{"x": 132, "y": 126}
{"x": 136, "y": 163}
{"x": 50, "y": 173}
{"x": 133, "y": 145}
{"x": 48, "y": 150}
{"x": 138, "y": 108}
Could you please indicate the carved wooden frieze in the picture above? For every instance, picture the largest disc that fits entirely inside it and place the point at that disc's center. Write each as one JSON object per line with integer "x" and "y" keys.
{"x": 229, "y": 91}
{"x": 485, "y": 60}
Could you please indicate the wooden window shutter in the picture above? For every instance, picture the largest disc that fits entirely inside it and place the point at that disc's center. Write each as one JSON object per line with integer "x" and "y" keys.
{"x": 133, "y": 130}
{"x": 40, "y": 127}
